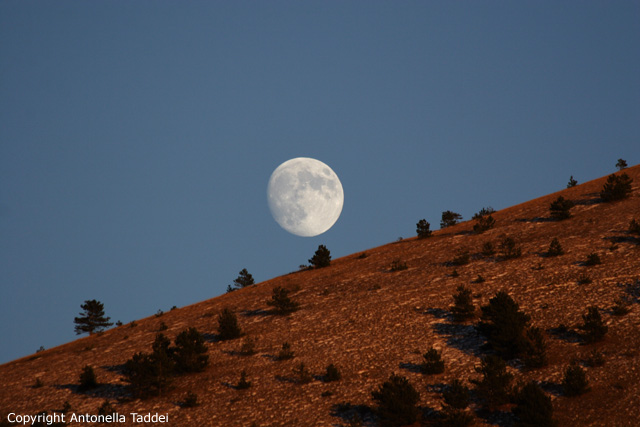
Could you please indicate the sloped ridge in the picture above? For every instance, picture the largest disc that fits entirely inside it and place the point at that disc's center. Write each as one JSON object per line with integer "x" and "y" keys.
{"x": 370, "y": 322}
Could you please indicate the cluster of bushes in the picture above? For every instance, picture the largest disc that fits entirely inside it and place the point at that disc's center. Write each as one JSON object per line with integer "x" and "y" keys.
{"x": 150, "y": 374}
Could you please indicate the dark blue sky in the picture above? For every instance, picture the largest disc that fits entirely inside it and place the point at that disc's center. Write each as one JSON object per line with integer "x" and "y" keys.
{"x": 137, "y": 137}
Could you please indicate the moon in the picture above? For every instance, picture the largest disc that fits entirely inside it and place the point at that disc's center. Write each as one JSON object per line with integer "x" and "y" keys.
{"x": 305, "y": 196}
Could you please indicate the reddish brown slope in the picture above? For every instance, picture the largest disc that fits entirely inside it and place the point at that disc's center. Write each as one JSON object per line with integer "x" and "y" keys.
{"x": 372, "y": 322}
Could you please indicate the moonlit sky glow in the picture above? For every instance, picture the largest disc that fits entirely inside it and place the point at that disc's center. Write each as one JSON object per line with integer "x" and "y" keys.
{"x": 137, "y": 137}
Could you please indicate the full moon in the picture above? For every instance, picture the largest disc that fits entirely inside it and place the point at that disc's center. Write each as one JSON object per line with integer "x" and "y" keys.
{"x": 305, "y": 196}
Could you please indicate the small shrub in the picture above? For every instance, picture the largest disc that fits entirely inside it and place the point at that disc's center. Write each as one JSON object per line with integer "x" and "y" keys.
{"x": 363, "y": 255}
{"x": 397, "y": 402}
{"x": 118, "y": 323}
{"x": 592, "y": 259}
{"x": 163, "y": 327}
{"x": 173, "y": 308}
{"x": 243, "y": 384}
{"x": 593, "y": 326}
{"x": 449, "y": 218}
{"x": 281, "y": 302}
{"x": 634, "y": 227}
{"x": 88, "y": 379}
{"x": 398, "y": 265}
{"x": 433, "y": 363}
{"x": 159, "y": 313}
{"x": 40, "y": 349}
{"x": 534, "y": 408}
{"x": 302, "y": 374}
{"x": 584, "y": 279}
{"x": 133, "y": 324}
{"x": 572, "y": 182}
{"x": 248, "y": 347}
{"x": 495, "y": 386}
{"x": 190, "y": 400}
{"x": 228, "y": 327}
{"x": 286, "y": 352}
{"x": 488, "y": 249}
{"x": 461, "y": 258}
{"x": 455, "y": 273}
{"x": 332, "y": 374}
{"x": 322, "y": 257}
{"x": 422, "y": 228}
{"x": 555, "y": 248}
{"x": 483, "y": 224}
{"x": 510, "y": 249}
{"x": 560, "y": 208}
{"x": 622, "y": 164}
{"x": 575, "y": 381}
{"x": 38, "y": 383}
{"x": 479, "y": 279}
{"x": 617, "y": 187}
{"x": 463, "y": 308}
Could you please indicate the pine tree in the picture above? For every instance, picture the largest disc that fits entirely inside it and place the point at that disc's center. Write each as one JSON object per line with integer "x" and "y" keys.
{"x": 433, "y": 363}
{"x": 593, "y": 326}
{"x": 281, "y": 302}
{"x": 228, "y": 328}
{"x": 560, "y": 208}
{"x": 622, "y": 164}
{"x": 534, "y": 407}
{"x": 463, "y": 308}
{"x": 572, "y": 182}
{"x": 422, "y": 228}
{"x": 190, "y": 351}
{"x": 92, "y": 319}
{"x": 575, "y": 381}
{"x": 495, "y": 386}
{"x": 397, "y": 402}
{"x": 322, "y": 257}
{"x": 483, "y": 224}
{"x": 456, "y": 400}
{"x": 243, "y": 280}
{"x": 504, "y": 325}
{"x": 449, "y": 218}
{"x": 555, "y": 249}
{"x": 88, "y": 379}
{"x": 617, "y": 187}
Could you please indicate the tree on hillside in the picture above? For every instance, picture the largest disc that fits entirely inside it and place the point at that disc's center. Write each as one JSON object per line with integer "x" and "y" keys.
{"x": 504, "y": 325}
{"x": 322, "y": 257}
{"x": 281, "y": 302}
{"x": 190, "y": 352}
{"x": 622, "y": 164}
{"x": 617, "y": 187}
{"x": 243, "y": 280}
{"x": 422, "y": 228}
{"x": 92, "y": 319}
{"x": 228, "y": 327}
{"x": 560, "y": 208}
{"x": 495, "y": 386}
{"x": 572, "y": 182}
{"x": 397, "y": 402}
{"x": 449, "y": 218}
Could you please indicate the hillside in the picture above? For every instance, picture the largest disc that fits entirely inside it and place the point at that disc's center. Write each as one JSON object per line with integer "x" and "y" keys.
{"x": 371, "y": 322}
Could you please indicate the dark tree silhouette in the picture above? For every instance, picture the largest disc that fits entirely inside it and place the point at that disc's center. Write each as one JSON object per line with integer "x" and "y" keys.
{"x": 228, "y": 328}
{"x": 555, "y": 248}
{"x": 593, "y": 326}
{"x": 560, "y": 208}
{"x": 422, "y": 228}
{"x": 322, "y": 257}
{"x": 88, "y": 379}
{"x": 397, "y": 402}
{"x": 190, "y": 351}
{"x": 575, "y": 381}
{"x": 495, "y": 386}
{"x": 243, "y": 280}
{"x": 617, "y": 187}
{"x": 534, "y": 407}
{"x": 281, "y": 302}
{"x": 449, "y": 218}
{"x": 622, "y": 164}
{"x": 572, "y": 182}
{"x": 92, "y": 319}
{"x": 504, "y": 325}
{"x": 463, "y": 308}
